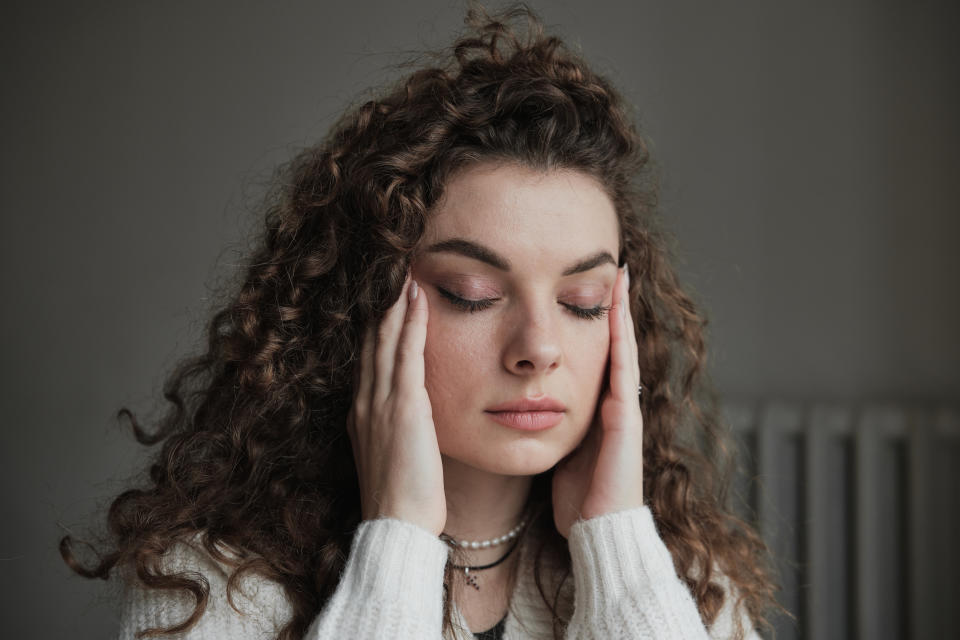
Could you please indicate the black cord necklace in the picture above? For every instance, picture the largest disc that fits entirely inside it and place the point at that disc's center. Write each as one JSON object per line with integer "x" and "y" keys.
{"x": 472, "y": 579}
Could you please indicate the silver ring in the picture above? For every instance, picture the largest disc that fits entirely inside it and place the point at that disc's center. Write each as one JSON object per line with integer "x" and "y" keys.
{"x": 640, "y": 390}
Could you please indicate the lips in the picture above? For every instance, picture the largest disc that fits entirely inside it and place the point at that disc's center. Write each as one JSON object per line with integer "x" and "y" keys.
{"x": 528, "y": 414}
{"x": 543, "y": 403}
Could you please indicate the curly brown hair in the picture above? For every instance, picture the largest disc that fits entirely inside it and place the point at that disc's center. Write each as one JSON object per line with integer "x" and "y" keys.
{"x": 254, "y": 453}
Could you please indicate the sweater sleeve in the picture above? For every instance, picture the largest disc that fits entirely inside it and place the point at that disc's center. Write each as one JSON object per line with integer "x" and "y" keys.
{"x": 392, "y": 586}
{"x": 258, "y": 611}
{"x": 626, "y": 585}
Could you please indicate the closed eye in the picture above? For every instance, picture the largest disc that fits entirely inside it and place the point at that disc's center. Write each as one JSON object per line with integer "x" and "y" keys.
{"x": 467, "y": 305}
{"x": 472, "y": 306}
{"x": 588, "y": 313}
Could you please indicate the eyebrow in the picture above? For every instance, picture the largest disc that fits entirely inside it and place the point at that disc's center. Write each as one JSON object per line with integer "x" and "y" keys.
{"x": 477, "y": 251}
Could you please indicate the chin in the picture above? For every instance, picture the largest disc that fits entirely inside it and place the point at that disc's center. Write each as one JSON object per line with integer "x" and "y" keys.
{"x": 516, "y": 459}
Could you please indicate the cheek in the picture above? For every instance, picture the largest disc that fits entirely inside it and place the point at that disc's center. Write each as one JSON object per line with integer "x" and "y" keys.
{"x": 452, "y": 357}
{"x": 601, "y": 342}
{"x": 591, "y": 346}
{"x": 592, "y": 352}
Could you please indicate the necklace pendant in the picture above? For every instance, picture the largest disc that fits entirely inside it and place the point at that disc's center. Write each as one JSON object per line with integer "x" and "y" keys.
{"x": 471, "y": 579}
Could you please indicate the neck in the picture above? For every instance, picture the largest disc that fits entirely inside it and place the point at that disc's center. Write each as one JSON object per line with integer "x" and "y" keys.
{"x": 482, "y": 505}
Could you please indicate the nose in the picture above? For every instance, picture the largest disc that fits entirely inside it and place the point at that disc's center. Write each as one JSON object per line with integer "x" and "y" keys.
{"x": 533, "y": 346}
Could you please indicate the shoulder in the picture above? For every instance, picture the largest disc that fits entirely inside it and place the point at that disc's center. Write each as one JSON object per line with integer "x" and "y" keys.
{"x": 732, "y": 621}
{"x": 257, "y": 607}
{"x": 733, "y": 615}
{"x": 602, "y": 547}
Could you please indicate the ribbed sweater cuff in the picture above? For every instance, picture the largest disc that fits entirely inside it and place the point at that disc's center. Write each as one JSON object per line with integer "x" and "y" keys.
{"x": 615, "y": 555}
{"x": 398, "y": 557}
{"x": 396, "y": 571}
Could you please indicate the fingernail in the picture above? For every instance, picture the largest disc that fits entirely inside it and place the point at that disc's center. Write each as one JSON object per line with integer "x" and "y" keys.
{"x": 626, "y": 273}
{"x": 623, "y": 308}
{"x": 412, "y": 291}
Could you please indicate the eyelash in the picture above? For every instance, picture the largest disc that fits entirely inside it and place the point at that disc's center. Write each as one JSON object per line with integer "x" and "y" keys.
{"x": 594, "y": 313}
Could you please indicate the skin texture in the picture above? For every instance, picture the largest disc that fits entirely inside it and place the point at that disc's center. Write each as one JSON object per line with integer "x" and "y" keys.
{"x": 428, "y": 452}
{"x": 527, "y": 343}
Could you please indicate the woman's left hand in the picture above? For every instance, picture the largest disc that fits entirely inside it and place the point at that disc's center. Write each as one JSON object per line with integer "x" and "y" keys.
{"x": 605, "y": 473}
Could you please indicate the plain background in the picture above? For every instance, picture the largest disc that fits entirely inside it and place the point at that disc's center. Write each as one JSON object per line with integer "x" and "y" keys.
{"x": 809, "y": 154}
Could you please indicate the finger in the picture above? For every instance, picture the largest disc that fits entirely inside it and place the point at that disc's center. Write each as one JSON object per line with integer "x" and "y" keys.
{"x": 352, "y": 434}
{"x": 388, "y": 334}
{"x": 364, "y": 378}
{"x": 409, "y": 370}
{"x": 622, "y": 385}
{"x": 631, "y": 328}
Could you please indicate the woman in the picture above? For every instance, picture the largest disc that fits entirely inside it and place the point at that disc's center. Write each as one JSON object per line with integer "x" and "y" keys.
{"x": 452, "y": 392}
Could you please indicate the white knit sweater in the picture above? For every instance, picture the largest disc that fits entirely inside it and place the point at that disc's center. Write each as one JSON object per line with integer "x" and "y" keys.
{"x": 624, "y": 586}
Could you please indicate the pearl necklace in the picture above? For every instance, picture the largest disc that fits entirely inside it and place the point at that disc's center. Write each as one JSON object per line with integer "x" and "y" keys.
{"x": 485, "y": 544}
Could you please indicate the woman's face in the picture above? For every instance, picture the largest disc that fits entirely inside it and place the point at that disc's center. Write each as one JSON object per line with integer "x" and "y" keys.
{"x": 535, "y": 255}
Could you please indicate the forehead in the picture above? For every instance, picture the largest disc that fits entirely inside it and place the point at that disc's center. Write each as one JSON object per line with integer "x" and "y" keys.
{"x": 559, "y": 212}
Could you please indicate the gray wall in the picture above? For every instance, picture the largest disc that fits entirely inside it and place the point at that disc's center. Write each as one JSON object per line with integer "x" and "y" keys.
{"x": 809, "y": 153}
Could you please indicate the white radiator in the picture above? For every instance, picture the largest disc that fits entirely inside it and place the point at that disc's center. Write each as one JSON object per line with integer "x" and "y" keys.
{"x": 859, "y": 505}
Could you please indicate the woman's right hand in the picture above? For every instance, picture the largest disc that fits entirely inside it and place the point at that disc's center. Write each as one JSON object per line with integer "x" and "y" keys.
{"x": 391, "y": 422}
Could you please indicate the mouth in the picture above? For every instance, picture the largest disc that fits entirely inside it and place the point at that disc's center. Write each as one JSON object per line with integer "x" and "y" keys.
{"x": 527, "y": 420}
